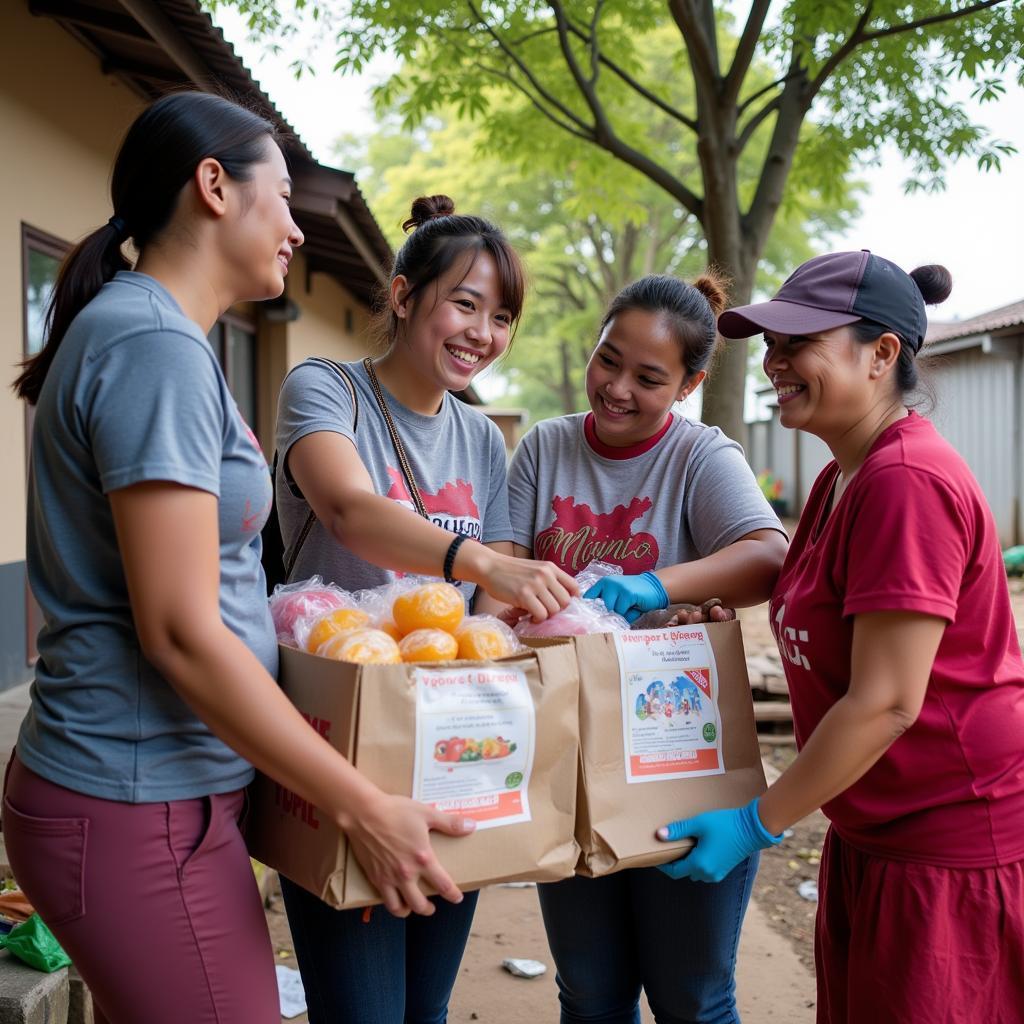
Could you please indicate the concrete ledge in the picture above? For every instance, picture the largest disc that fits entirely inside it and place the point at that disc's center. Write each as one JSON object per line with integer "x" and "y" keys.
{"x": 28, "y": 996}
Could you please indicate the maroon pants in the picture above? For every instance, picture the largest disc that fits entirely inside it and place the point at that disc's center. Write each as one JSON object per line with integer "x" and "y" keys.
{"x": 900, "y": 942}
{"x": 155, "y": 903}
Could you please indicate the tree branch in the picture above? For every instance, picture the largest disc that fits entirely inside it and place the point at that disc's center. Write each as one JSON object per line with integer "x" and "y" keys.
{"x": 745, "y": 50}
{"x": 641, "y": 90}
{"x": 934, "y": 19}
{"x": 604, "y": 134}
{"x": 702, "y": 51}
{"x": 760, "y": 92}
{"x": 565, "y": 111}
{"x": 751, "y": 126}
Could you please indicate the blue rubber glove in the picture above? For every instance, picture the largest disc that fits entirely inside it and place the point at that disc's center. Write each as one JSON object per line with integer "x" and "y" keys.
{"x": 724, "y": 839}
{"x": 630, "y": 596}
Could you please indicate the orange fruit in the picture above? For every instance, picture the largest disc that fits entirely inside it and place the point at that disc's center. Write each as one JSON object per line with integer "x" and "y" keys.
{"x": 429, "y": 645}
{"x": 333, "y": 623}
{"x": 362, "y": 646}
{"x": 391, "y": 629}
{"x": 431, "y": 606}
{"x": 479, "y": 641}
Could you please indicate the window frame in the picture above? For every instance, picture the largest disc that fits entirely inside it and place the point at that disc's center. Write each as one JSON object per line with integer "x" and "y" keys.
{"x": 33, "y": 240}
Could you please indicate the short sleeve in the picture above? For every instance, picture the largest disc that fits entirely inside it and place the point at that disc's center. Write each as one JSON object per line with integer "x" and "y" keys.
{"x": 723, "y": 502}
{"x": 496, "y": 525}
{"x": 522, "y": 490}
{"x": 154, "y": 410}
{"x": 313, "y": 398}
{"x": 907, "y": 544}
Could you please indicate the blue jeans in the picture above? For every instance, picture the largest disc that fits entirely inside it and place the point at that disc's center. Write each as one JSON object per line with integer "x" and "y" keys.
{"x": 636, "y": 929}
{"x": 388, "y": 970}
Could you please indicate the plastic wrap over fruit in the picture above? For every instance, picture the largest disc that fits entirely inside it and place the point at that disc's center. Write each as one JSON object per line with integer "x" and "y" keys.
{"x": 580, "y": 616}
{"x": 483, "y": 638}
{"x": 308, "y": 599}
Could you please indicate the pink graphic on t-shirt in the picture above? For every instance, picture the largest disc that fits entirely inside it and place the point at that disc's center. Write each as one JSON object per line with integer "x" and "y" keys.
{"x": 453, "y": 507}
{"x": 579, "y": 535}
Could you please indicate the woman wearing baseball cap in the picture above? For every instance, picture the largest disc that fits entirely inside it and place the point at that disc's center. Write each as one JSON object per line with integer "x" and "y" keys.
{"x": 905, "y": 674}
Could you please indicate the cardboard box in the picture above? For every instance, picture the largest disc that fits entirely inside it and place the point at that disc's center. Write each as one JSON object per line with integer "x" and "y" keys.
{"x": 400, "y": 725}
{"x": 682, "y": 761}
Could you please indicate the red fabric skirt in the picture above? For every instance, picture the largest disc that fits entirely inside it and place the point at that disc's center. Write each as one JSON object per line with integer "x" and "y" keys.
{"x": 900, "y": 942}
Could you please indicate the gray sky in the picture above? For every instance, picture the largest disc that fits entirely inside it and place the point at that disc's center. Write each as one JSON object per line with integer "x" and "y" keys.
{"x": 975, "y": 227}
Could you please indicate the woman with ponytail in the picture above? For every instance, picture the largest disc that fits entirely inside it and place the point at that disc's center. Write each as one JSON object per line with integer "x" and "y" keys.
{"x": 674, "y": 503}
{"x": 454, "y": 297}
{"x": 904, "y": 669}
{"x": 154, "y": 691}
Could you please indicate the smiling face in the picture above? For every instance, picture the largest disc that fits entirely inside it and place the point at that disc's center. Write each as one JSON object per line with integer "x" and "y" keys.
{"x": 457, "y": 326}
{"x": 260, "y": 234}
{"x": 634, "y": 377}
{"x": 824, "y": 381}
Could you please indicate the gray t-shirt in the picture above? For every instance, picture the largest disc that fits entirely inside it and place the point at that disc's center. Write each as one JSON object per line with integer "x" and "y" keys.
{"x": 457, "y": 457}
{"x": 134, "y": 394}
{"x": 573, "y": 500}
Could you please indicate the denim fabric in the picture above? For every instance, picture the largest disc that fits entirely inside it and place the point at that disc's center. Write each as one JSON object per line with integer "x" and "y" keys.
{"x": 676, "y": 940}
{"x": 387, "y": 970}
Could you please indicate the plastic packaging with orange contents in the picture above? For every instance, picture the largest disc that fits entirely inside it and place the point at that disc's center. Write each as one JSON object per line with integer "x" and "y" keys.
{"x": 414, "y": 620}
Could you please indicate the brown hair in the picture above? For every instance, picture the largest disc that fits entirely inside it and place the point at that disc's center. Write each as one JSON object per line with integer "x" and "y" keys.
{"x": 439, "y": 237}
{"x": 690, "y": 310}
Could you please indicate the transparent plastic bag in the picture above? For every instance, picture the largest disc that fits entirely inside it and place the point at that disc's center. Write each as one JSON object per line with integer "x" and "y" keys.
{"x": 484, "y": 637}
{"x": 581, "y": 615}
{"x": 293, "y": 602}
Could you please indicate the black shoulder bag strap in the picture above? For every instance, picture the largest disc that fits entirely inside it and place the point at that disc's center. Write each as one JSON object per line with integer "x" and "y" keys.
{"x": 403, "y": 460}
{"x": 307, "y": 526}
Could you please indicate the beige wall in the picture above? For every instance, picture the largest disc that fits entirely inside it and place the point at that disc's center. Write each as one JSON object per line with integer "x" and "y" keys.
{"x": 63, "y": 121}
{"x": 320, "y": 330}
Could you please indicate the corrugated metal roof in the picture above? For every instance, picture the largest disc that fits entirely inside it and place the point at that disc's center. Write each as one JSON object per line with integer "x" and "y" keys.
{"x": 984, "y": 323}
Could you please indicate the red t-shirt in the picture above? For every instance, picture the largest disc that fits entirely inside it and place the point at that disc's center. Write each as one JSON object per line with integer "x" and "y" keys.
{"x": 913, "y": 532}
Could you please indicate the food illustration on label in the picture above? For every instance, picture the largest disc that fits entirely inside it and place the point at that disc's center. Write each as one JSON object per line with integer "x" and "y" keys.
{"x": 480, "y": 719}
{"x": 465, "y": 751}
{"x": 671, "y": 727}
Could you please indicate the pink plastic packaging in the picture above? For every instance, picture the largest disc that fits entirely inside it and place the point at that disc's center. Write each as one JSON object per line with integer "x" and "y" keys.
{"x": 308, "y": 599}
{"x": 580, "y": 616}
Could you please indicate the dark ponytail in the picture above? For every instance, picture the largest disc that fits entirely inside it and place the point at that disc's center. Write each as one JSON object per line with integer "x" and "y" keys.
{"x": 159, "y": 155}
{"x": 691, "y": 310}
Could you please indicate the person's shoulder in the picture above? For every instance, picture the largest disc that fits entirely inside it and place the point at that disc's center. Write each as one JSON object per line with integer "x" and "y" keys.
{"x": 914, "y": 445}
{"x": 556, "y": 429}
{"x": 695, "y": 440}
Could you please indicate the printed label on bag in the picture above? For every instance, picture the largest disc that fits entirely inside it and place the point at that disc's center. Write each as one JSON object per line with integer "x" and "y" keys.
{"x": 671, "y": 728}
{"x": 475, "y": 732}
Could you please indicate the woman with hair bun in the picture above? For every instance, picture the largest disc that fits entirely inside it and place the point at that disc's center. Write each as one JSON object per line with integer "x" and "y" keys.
{"x": 893, "y": 619}
{"x": 154, "y": 691}
{"x": 455, "y": 295}
{"x": 674, "y": 503}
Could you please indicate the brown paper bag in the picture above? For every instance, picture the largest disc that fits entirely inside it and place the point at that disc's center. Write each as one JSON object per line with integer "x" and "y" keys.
{"x": 616, "y": 819}
{"x": 543, "y": 849}
{"x": 368, "y": 713}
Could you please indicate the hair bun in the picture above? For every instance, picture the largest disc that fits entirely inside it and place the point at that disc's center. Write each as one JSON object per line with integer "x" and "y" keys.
{"x": 715, "y": 288}
{"x": 426, "y": 208}
{"x": 934, "y": 282}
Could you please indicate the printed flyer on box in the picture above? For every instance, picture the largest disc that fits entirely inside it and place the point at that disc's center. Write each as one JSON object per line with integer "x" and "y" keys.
{"x": 474, "y": 743}
{"x": 671, "y": 728}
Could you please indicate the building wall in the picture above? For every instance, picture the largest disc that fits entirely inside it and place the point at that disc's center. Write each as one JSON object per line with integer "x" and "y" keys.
{"x": 325, "y": 311}
{"x": 63, "y": 121}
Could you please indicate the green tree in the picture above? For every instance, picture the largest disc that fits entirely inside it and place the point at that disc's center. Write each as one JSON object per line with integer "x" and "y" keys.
{"x": 578, "y": 259}
{"x": 858, "y": 73}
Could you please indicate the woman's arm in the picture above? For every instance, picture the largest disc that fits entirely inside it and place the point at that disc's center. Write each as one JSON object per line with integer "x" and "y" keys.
{"x": 168, "y": 537}
{"x": 892, "y": 659}
{"x": 328, "y": 469}
{"x": 741, "y": 574}
{"x": 891, "y": 663}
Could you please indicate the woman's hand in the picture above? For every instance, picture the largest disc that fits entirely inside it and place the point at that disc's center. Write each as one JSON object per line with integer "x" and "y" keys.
{"x": 537, "y": 589}
{"x": 391, "y": 840}
{"x": 686, "y": 615}
{"x": 630, "y": 596}
{"x": 724, "y": 839}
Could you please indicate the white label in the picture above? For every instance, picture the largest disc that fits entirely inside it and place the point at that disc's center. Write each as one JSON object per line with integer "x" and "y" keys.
{"x": 475, "y": 734}
{"x": 671, "y": 728}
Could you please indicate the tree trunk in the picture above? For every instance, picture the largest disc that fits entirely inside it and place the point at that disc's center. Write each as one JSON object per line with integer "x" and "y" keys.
{"x": 568, "y": 388}
{"x": 725, "y": 390}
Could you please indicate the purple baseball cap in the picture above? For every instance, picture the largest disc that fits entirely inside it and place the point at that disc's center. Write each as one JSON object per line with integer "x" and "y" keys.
{"x": 833, "y": 290}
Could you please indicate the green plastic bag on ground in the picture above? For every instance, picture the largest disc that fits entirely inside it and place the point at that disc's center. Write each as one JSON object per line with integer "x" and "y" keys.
{"x": 34, "y": 943}
{"x": 1013, "y": 561}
